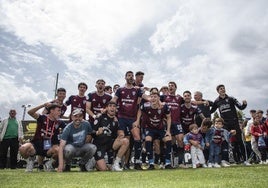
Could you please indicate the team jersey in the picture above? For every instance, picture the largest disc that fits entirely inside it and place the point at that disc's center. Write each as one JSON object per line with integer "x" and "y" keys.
{"x": 205, "y": 109}
{"x": 110, "y": 127}
{"x": 77, "y": 102}
{"x": 97, "y": 103}
{"x": 153, "y": 118}
{"x": 48, "y": 129}
{"x": 174, "y": 102}
{"x": 227, "y": 108}
{"x": 188, "y": 116}
{"x": 128, "y": 101}
{"x": 195, "y": 137}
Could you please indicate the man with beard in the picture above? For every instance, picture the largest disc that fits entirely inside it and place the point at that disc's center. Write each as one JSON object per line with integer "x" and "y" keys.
{"x": 128, "y": 98}
{"x": 75, "y": 142}
{"x": 97, "y": 101}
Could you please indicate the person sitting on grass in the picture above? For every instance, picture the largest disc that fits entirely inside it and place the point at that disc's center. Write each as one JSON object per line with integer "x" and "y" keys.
{"x": 107, "y": 140}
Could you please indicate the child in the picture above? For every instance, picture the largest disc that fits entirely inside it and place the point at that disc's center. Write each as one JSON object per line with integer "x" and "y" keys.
{"x": 195, "y": 139}
{"x": 214, "y": 138}
{"x": 258, "y": 133}
{"x": 205, "y": 126}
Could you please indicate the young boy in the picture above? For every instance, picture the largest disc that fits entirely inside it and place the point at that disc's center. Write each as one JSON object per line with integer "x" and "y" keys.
{"x": 195, "y": 139}
{"x": 205, "y": 126}
{"x": 214, "y": 138}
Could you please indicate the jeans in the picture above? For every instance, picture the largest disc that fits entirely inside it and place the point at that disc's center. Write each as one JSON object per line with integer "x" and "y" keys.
{"x": 214, "y": 153}
{"x": 86, "y": 152}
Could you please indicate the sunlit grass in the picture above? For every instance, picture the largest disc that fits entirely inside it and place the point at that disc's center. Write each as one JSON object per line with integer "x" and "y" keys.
{"x": 236, "y": 176}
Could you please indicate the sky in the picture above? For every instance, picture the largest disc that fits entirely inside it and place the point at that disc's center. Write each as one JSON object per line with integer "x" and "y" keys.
{"x": 197, "y": 44}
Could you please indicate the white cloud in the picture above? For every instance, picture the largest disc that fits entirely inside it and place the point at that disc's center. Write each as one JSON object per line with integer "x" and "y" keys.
{"x": 172, "y": 32}
{"x": 198, "y": 44}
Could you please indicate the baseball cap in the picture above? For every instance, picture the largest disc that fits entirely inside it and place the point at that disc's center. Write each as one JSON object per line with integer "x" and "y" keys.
{"x": 77, "y": 111}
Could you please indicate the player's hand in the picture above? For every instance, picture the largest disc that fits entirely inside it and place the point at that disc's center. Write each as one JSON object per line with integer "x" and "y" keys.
{"x": 136, "y": 124}
{"x": 100, "y": 130}
{"x": 233, "y": 132}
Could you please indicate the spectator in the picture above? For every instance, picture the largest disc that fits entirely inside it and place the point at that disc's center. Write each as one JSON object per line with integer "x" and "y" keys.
{"x": 11, "y": 135}
{"x": 74, "y": 142}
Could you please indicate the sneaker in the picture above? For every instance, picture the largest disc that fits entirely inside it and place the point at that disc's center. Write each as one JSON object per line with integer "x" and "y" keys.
{"x": 225, "y": 163}
{"x": 151, "y": 167}
{"x": 30, "y": 164}
{"x": 246, "y": 163}
{"x": 82, "y": 167}
{"x": 137, "y": 166}
{"x": 216, "y": 165}
{"x": 168, "y": 166}
{"x": 194, "y": 165}
{"x": 161, "y": 166}
{"x": 144, "y": 166}
{"x": 204, "y": 165}
{"x": 209, "y": 165}
{"x": 40, "y": 168}
{"x": 67, "y": 168}
{"x": 262, "y": 162}
{"x": 183, "y": 166}
{"x": 90, "y": 165}
{"x": 48, "y": 166}
{"x": 117, "y": 168}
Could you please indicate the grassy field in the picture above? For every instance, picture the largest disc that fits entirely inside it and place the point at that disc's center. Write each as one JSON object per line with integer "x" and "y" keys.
{"x": 236, "y": 176}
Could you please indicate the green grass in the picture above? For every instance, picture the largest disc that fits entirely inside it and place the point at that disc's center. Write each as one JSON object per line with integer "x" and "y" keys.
{"x": 236, "y": 176}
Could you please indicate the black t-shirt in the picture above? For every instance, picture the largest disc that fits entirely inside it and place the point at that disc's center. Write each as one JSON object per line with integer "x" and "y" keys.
{"x": 110, "y": 130}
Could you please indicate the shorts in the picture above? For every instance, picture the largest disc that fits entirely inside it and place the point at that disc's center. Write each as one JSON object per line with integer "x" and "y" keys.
{"x": 155, "y": 133}
{"x": 125, "y": 125}
{"x": 176, "y": 129}
{"x": 38, "y": 146}
{"x": 102, "y": 149}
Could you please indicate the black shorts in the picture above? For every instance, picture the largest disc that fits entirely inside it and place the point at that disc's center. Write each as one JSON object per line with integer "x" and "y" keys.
{"x": 38, "y": 146}
{"x": 102, "y": 149}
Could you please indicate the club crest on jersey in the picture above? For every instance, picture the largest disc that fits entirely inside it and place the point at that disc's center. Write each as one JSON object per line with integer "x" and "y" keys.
{"x": 226, "y": 100}
{"x": 103, "y": 101}
{"x": 84, "y": 101}
{"x": 159, "y": 111}
{"x": 133, "y": 93}
{"x": 95, "y": 121}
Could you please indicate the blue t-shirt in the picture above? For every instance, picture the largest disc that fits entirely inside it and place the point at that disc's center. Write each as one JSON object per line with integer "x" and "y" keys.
{"x": 76, "y": 136}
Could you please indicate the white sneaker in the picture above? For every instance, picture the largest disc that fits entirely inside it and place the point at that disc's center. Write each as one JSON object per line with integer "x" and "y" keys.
{"x": 48, "y": 166}
{"x": 204, "y": 165}
{"x": 30, "y": 164}
{"x": 225, "y": 163}
{"x": 194, "y": 165}
{"x": 209, "y": 165}
{"x": 117, "y": 168}
{"x": 216, "y": 165}
{"x": 246, "y": 163}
